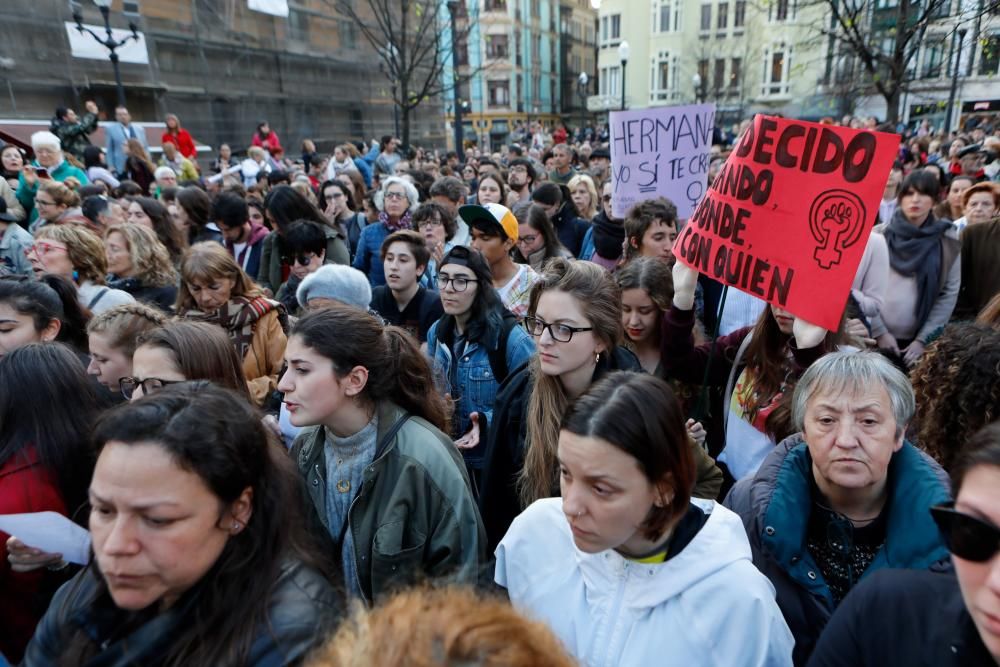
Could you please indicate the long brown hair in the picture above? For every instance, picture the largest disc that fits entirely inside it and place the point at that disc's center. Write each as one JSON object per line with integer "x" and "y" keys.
{"x": 208, "y": 261}
{"x": 397, "y": 369}
{"x": 768, "y": 362}
{"x": 601, "y": 303}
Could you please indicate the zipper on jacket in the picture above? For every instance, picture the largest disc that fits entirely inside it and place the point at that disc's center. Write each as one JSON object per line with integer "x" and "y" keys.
{"x": 613, "y": 619}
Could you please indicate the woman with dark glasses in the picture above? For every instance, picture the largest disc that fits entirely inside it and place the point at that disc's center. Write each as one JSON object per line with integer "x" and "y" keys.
{"x": 941, "y": 617}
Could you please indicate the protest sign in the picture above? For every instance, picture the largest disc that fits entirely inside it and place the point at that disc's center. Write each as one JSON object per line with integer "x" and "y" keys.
{"x": 788, "y": 217}
{"x": 660, "y": 152}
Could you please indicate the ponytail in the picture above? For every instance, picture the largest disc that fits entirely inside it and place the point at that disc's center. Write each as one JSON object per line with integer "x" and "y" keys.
{"x": 51, "y": 297}
{"x": 397, "y": 370}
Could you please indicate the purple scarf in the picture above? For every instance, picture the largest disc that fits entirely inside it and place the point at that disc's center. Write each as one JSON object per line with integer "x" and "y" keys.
{"x": 404, "y": 221}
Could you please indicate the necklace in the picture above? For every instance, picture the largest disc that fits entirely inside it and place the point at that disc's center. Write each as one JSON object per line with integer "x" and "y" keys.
{"x": 343, "y": 485}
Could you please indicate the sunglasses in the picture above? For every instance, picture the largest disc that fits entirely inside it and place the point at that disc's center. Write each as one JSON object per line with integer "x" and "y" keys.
{"x": 966, "y": 536}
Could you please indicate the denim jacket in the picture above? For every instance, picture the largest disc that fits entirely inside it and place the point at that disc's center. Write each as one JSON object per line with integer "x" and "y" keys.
{"x": 469, "y": 378}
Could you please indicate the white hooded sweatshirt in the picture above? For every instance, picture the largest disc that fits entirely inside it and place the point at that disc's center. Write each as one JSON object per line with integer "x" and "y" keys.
{"x": 707, "y": 606}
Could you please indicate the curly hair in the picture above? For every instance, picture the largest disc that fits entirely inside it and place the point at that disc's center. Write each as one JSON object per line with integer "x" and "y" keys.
{"x": 957, "y": 386}
{"x": 450, "y": 626}
{"x": 84, "y": 248}
{"x": 151, "y": 263}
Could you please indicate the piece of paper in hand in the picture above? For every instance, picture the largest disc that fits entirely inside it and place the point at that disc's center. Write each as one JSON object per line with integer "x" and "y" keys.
{"x": 51, "y": 532}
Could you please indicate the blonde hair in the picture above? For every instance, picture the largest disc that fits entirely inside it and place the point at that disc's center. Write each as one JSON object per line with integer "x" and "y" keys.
{"x": 61, "y": 193}
{"x": 587, "y": 182}
{"x": 138, "y": 151}
{"x": 151, "y": 262}
{"x": 125, "y": 323}
{"x": 445, "y": 627}
{"x": 83, "y": 247}
{"x": 600, "y": 300}
{"x": 207, "y": 262}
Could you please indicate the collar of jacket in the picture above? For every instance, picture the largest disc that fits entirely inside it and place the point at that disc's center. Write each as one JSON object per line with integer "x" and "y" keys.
{"x": 389, "y": 417}
{"x": 912, "y": 537}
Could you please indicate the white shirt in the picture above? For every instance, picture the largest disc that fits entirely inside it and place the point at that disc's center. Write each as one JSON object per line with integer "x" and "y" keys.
{"x": 707, "y": 606}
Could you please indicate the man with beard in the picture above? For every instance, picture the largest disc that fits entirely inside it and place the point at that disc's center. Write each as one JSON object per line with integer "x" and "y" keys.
{"x": 521, "y": 179}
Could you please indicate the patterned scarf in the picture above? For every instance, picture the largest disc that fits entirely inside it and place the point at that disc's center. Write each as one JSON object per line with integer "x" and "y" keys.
{"x": 239, "y": 318}
{"x": 403, "y": 222}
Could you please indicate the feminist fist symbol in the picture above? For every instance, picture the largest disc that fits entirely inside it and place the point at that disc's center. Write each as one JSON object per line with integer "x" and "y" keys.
{"x": 836, "y": 220}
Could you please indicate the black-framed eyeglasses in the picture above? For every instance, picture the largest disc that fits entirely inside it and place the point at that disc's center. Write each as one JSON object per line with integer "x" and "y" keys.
{"x": 149, "y": 385}
{"x": 966, "y": 536}
{"x": 430, "y": 223}
{"x": 458, "y": 283}
{"x": 561, "y": 333}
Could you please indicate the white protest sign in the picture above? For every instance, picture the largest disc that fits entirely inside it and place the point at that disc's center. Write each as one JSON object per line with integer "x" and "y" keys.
{"x": 51, "y": 532}
{"x": 660, "y": 152}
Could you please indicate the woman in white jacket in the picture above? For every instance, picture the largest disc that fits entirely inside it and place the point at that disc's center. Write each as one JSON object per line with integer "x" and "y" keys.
{"x": 625, "y": 567}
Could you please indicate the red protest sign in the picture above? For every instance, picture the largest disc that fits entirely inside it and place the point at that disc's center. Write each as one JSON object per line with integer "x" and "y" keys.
{"x": 789, "y": 214}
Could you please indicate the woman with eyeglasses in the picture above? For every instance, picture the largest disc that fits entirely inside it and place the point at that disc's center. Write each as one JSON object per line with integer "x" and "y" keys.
{"x": 395, "y": 200}
{"x": 626, "y": 568}
{"x": 215, "y": 289}
{"x": 112, "y": 338}
{"x": 337, "y": 203}
{"x": 49, "y": 164}
{"x": 474, "y": 347}
{"x": 282, "y": 207}
{"x": 941, "y": 617}
{"x": 77, "y": 254}
{"x": 181, "y": 351}
{"x": 537, "y": 241}
{"x": 57, "y": 204}
{"x": 574, "y": 314}
{"x": 388, "y": 490}
{"x": 200, "y": 556}
{"x": 438, "y": 228}
{"x": 45, "y": 465}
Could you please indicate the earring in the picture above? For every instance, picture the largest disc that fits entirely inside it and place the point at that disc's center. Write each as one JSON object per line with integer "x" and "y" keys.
{"x": 237, "y": 526}
{"x": 597, "y": 358}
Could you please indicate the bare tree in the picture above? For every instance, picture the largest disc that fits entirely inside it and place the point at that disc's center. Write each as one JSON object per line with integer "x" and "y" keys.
{"x": 882, "y": 39}
{"x": 413, "y": 40}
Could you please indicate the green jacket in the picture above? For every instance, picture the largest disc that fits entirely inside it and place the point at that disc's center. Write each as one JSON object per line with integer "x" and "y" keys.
{"x": 414, "y": 516}
{"x": 269, "y": 273}
{"x": 75, "y": 137}
{"x": 26, "y": 195}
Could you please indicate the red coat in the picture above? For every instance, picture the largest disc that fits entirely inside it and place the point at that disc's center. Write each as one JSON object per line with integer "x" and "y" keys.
{"x": 25, "y": 486}
{"x": 183, "y": 141}
{"x": 272, "y": 144}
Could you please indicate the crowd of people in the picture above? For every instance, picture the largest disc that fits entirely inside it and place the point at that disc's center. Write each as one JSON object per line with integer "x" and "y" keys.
{"x": 395, "y": 406}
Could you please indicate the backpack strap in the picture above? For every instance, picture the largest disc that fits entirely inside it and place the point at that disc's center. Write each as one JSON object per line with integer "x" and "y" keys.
{"x": 731, "y": 382}
{"x": 498, "y": 357}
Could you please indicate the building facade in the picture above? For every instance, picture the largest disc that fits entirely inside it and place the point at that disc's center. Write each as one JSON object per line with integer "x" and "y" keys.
{"x": 745, "y": 56}
{"x": 519, "y": 61}
{"x": 217, "y": 64}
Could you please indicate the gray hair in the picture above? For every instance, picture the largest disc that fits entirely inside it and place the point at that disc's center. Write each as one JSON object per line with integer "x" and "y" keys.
{"x": 852, "y": 371}
{"x": 411, "y": 192}
{"x": 44, "y": 138}
{"x": 449, "y": 186}
{"x": 164, "y": 171}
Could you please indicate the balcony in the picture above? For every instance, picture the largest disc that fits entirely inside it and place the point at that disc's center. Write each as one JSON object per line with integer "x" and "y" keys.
{"x": 597, "y": 103}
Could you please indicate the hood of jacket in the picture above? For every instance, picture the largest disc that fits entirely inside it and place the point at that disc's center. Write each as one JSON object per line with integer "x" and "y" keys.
{"x": 257, "y": 233}
{"x": 776, "y": 504}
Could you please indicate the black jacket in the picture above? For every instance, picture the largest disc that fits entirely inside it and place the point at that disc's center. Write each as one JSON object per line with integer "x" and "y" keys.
{"x": 504, "y": 455}
{"x": 302, "y": 610}
{"x": 911, "y": 618}
{"x": 163, "y": 298}
{"x": 570, "y": 229}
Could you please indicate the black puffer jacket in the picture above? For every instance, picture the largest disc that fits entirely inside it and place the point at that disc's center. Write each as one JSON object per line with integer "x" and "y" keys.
{"x": 302, "y": 610}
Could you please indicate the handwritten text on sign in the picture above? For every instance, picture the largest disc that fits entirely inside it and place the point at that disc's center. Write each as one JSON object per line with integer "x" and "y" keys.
{"x": 788, "y": 217}
{"x": 660, "y": 152}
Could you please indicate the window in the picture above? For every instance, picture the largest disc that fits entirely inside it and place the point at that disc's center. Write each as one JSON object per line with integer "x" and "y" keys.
{"x": 517, "y": 49}
{"x": 611, "y": 28}
{"x": 723, "y": 16}
{"x": 739, "y": 13}
{"x": 536, "y": 48}
{"x": 735, "y": 72}
{"x": 616, "y": 27}
{"x": 499, "y": 93}
{"x": 664, "y": 78}
{"x": 719, "y": 75}
{"x": 939, "y": 9}
{"x": 348, "y": 34}
{"x": 664, "y": 18}
{"x": 496, "y": 46}
{"x": 495, "y": 5}
{"x": 934, "y": 52}
{"x": 706, "y": 17}
{"x": 989, "y": 60}
{"x": 462, "y": 49}
{"x": 535, "y": 11}
{"x": 610, "y": 81}
{"x": 776, "y": 70}
{"x": 779, "y": 10}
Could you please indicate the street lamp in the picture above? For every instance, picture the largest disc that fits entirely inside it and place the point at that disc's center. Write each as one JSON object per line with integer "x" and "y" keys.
{"x": 110, "y": 43}
{"x": 623, "y": 53}
{"x": 696, "y": 83}
{"x": 459, "y": 129}
{"x": 582, "y": 81}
